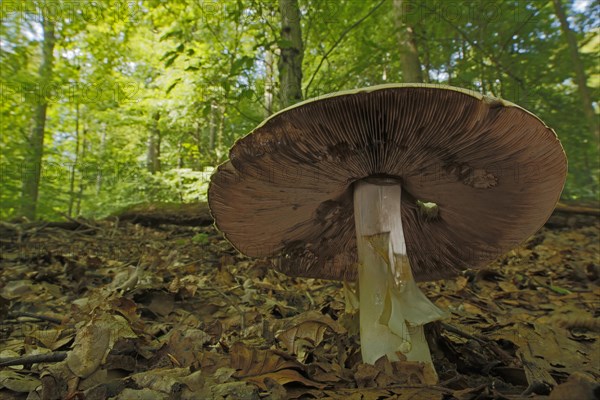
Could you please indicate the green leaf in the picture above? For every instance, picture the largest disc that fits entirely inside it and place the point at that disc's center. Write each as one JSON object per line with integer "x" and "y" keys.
{"x": 240, "y": 64}
{"x": 247, "y": 94}
{"x": 168, "y": 54}
{"x": 200, "y": 238}
{"x": 171, "y": 60}
{"x": 172, "y": 85}
{"x": 559, "y": 290}
{"x": 177, "y": 33}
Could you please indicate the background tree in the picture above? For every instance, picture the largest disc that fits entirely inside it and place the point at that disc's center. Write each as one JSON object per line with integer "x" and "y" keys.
{"x": 33, "y": 160}
{"x": 211, "y": 71}
{"x": 580, "y": 75}
{"x": 407, "y": 46}
{"x": 291, "y": 53}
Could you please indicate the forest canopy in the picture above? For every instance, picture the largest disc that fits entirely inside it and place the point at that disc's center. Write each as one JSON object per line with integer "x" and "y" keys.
{"x": 110, "y": 103}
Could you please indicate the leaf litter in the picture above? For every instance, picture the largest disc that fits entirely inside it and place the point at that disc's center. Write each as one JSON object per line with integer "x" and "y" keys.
{"x": 124, "y": 311}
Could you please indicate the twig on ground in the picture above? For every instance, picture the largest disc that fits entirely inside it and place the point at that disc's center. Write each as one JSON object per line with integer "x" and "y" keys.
{"x": 34, "y": 359}
{"x": 80, "y": 222}
{"x": 19, "y": 314}
{"x": 456, "y": 331}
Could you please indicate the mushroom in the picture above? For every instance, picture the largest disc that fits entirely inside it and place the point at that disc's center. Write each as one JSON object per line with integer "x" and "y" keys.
{"x": 389, "y": 185}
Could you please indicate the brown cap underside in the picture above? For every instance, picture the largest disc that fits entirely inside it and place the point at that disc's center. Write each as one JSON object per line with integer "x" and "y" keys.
{"x": 494, "y": 170}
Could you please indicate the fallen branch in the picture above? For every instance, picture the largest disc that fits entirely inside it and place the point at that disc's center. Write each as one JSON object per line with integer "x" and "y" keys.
{"x": 153, "y": 214}
{"x": 35, "y": 316}
{"x": 574, "y": 215}
{"x": 35, "y": 359}
{"x": 577, "y": 209}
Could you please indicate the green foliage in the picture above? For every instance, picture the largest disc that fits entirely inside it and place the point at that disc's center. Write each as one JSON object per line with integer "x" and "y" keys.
{"x": 200, "y": 238}
{"x": 186, "y": 79}
{"x": 128, "y": 187}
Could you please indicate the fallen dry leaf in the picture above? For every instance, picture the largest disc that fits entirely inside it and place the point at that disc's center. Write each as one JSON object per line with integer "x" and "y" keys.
{"x": 305, "y": 331}
{"x": 93, "y": 342}
{"x": 579, "y": 386}
{"x": 512, "y": 322}
{"x": 256, "y": 365}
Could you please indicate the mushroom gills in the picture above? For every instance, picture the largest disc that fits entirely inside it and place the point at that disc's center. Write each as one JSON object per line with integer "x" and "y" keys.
{"x": 392, "y": 308}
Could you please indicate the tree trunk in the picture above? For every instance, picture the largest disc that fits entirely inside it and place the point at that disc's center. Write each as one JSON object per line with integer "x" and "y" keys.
{"x": 75, "y": 162}
{"x": 33, "y": 162}
{"x": 480, "y": 61}
{"x": 269, "y": 82}
{"x": 212, "y": 126}
{"x": 426, "y": 62}
{"x": 221, "y": 128}
{"x": 180, "y": 156}
{"x": 153, "y": 156}
{"x": 580, "y": 76}
{"x": 102, "y": 152}
{"x": 450, "y": 67}
{"x": 409, "y": 56}
{"x": 195, "y": 162}
{"x": 292, "y": 53}
{"x": 82, "y": 176}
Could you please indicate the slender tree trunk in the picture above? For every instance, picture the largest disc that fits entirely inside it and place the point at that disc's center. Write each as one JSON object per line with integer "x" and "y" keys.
{"x": 481, "y": 63}
{"x": 180, "y": 154}
{"x": 198, "y": 138}
{"x": 99, "y": 177}
{"x": 269, "y": 82}
{"x": 157, "y": 163}
{"x": 75, "y": 162}
{"x": 450, "y": 67}
{"x": 426, "y": 61}
{"x": 82, "y": 177}
{"x": 580, "y": 75}
{"x": 33, "y": 162}
{"x": 292, "y": 53}
{"x": 221, "y": 128}
{"x": 409, "y": 56}
{"x": 153, "y": 155}
{"x": 212, "y": 126}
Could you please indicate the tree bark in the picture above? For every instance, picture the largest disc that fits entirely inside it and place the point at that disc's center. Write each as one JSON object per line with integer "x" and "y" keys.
{"x": 153, "y": 156}
{"x": 291, "y": 53}
{"x": 580, "y": 75}
{"x": 221, "y": 129}
{"x": 81, "y": 177}
{"x": 33, "y": 161}
{"x": 212, "y": 126}
{"x": 99, "y": 172}
{"x": 75, "y": 162}
{"x": 409, "y": 55}
{"x": 269, "y": 82}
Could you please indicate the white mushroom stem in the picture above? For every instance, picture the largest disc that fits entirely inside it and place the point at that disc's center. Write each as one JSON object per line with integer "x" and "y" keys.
{"x": 392, "y": 308}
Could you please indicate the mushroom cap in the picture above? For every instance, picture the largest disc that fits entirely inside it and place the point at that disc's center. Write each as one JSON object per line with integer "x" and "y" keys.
{"x": 494, "y": 170}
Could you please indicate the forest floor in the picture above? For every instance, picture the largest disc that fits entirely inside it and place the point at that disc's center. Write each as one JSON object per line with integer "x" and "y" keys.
{"x": 120, "y": 310}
